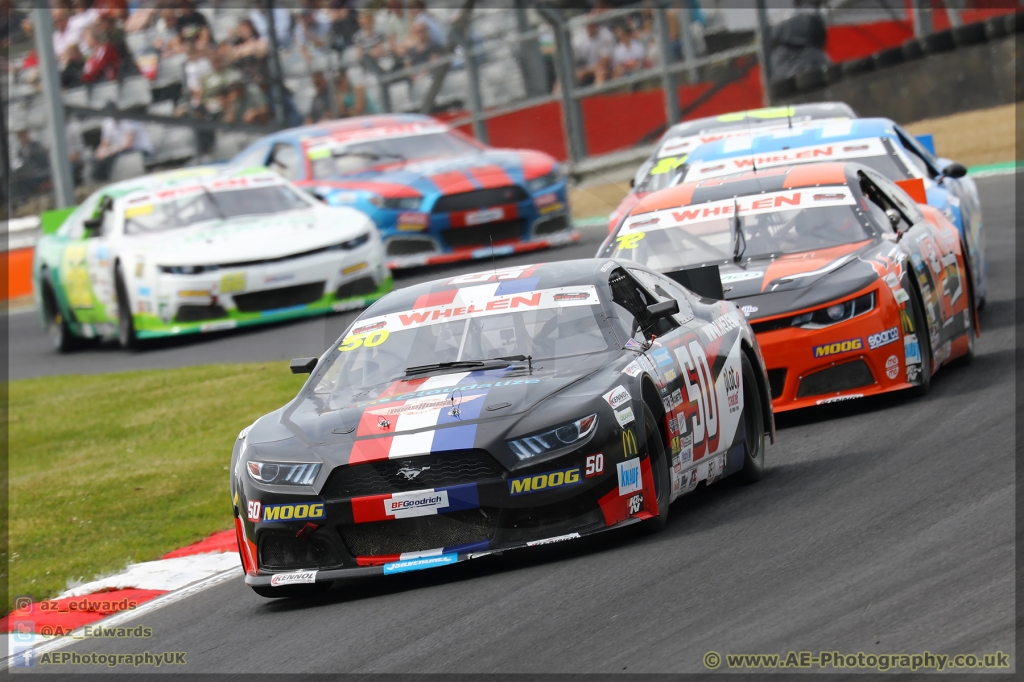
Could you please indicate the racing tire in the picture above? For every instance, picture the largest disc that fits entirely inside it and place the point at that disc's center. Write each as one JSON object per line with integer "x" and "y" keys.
{"x": 924, "y": 343}
{"x": 57, "y": 327}
{"x": 125, "y": 324}
{"x": 658, "y": 456}
{"x": 291, "y": 591}
{"x": 753, "y": 427}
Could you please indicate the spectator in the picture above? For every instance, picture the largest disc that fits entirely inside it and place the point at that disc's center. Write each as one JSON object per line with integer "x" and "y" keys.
{"x": 395, "y": 23}
{"x": 249, "y": 53}
{"x": 109, "y": 31}
{"x": 421, "y": 49}
{"x": 351, "y": 97}
{"x": 593, "y": 49}
{"x": 82, "y": 17}
{"x": 12, "y": 24}
{"x": 140, "y": 19}
{"x": 29, "y": 166}
{"x": 221, "y": 73}
{"x": 76, "y": 148}
{"x": 418, "y": 14}
{"x": 65, "y": 46}
{"x": 116, "y": 10}
{"x": 343, "y": 25}
{"x": 798, "y": 43}
{"x": 188, "y": 22}
{"x": 368, "y": 39}
{"x": 117, "y": 138}
{"x": 283, "y": 25}
{"x": 104, "y": 62}
{"x": 243, "y": 103}
{"x": 629, "y": 54}
{"x": 309, "y": 33}
{"x": 196, "y": 69}
{"x": 167, "y": 41}
{"x": 320, "y": 108}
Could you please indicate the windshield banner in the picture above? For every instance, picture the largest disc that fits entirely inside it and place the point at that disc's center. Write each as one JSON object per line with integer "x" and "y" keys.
{"x": 834, "y": 151}
{"x": 213, "y": 185}
{"x": 471, "y": 302}
{"x": 679, "y": 145}
{"x": 772, "y": 202}
{"x": 324, "y": 146}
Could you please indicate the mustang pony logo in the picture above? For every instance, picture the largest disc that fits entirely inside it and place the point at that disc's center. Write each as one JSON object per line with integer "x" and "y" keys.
{"x": 410, "y": 473}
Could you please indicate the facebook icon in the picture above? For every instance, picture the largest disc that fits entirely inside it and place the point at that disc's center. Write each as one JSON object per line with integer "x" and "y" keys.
{"x": 24, "y": 657}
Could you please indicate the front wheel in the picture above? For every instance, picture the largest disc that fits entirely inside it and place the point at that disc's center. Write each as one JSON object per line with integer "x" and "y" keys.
{"x": 125, "y": 324}
{"x": 658, "y": 459}
{"x": 753, "y": 427}
{"x": 924, "y": 344}
{"x": 57, "y": 328}
{"x": 291, "y": 591}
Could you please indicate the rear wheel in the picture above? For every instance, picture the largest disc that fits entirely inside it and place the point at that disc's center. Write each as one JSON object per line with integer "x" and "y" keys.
{"x": 753, "y": 427}
{"x": 924, "y": 343}
{"x": 659, "y": 472}
{"x": 291, "y": 591}
{"x": 57, "y": 327}
{"x": 125, "y": 325}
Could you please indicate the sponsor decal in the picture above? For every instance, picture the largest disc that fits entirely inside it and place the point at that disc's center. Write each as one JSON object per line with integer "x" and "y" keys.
{"x": 252, "y": 510}
{"x": 420, "y": 563}
{"x": 645, "y": 222}
{"x": 545, "y": 481}
{"x": 542, "y": 200}
{"x": 673, "y": 425}
{"x": 911, "y": 350}
{"x": 355, "y": 268}
{"x": 883, "y": 338}
{"x": 581, "y": 296}
{"x": 367, "y": 328}
{"x": 341, "y": 197}
{"x": 594, "y": 465}
{"x": 145, "y": 291}
{"x": 632, "y": 369}
{"x": 720, "y": 326}
{"x": 552, "y": 208}
{"x": 809, "y": 154}
{"x": 274, "y": 513}
{"x": 636, "y": 503}
{"x": 418, "y": 503}
{"x": 412, "y": 221}
{"x": 748, "y": 310}
{"x": 732, "y": 388}
{"x": 840, "y": 398}
{"x": 295, "y": 578}
{"x": 278, "y": 278}
{"x": 906, "y": 322}
{"x": 677, "y": 398}
{"x": 625, "y": 416}
{"x": 729, "y": 277}
{"x": 499, "y": 275}
{"x": 549, "y": 541}
{"x": 633, "y": 345}
{"x": 194, "y": 293}
{"x": 693, "y": 476}
{"x": 217, "y": 326}
{"x": 670, "y": 375}
{"x": 232, "y": 282}
{"x": 617, "y": 397}
{"x": 913, "y": 371}
{"x": 686, "y": 452}
{"x": 674, "y": 445}
{"x": 661, "y": 356}
{"x": 629, "y": 444}
{"x": 838, "y": 347}
{"x": 892, "y": 367}
{"x": 629, "y": 477}
{"x": 486, "y": 215}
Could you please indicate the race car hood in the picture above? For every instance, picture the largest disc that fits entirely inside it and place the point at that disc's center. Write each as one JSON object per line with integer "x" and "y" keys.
{"x": 244, "y": 239}
{"x": 477, "y": 410}
{"x": 451, "y": 175}
{"x": 767, "y": 287}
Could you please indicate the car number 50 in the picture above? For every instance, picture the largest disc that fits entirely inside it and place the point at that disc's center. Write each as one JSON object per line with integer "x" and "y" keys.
{"x": 370, "y": 340}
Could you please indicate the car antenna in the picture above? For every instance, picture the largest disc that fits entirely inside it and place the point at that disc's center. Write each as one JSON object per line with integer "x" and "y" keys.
{"x": 494, "y": 265}
{"x": 753, "y": 156}
{"x": 789, "y": 116}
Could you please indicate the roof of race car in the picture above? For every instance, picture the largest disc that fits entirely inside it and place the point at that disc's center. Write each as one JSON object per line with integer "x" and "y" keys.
{"x": 206, "y": 176}
{"x": 354, "y": 123}
{"x": 519, "y": 279}
{"x": 778, "y": 140}
{"x": 767, "y": 115}
{"x": 749, "y": 183}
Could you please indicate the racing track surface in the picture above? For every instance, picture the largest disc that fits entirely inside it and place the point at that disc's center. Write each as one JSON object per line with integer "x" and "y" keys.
{"x": 883, "y": 526}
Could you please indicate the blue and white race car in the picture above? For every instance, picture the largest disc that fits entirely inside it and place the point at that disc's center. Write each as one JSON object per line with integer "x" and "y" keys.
{"x": 436, "y": 195}
{"x": 876, "y": 142}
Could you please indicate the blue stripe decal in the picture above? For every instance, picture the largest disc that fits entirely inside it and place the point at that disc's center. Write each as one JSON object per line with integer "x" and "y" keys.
{"x": 518, "y": 286}
{"x": 481, "y": 546}
{"x": 461, "y": 497}
{"x": 420, "y": 563}
{"x": 454, "y": 438}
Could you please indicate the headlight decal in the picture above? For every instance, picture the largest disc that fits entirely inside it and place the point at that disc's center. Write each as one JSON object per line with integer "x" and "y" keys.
{"x": 283, "y": 473}
{"x": 548, "y": 441}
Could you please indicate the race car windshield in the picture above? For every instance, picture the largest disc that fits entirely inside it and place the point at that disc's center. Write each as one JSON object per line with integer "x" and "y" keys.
{"x": 204, "y": 206}
{"x": 715, "y": 241}
{"x": 380, "y": 357}
{"x": 361, "y": 156}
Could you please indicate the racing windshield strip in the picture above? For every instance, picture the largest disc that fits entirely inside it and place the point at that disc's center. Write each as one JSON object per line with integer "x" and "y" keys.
{"x": 832, "y": 151}
{"x": 478, "y": 301}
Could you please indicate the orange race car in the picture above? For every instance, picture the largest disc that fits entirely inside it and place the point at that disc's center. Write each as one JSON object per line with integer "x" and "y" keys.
{"x": 852, "y": 286}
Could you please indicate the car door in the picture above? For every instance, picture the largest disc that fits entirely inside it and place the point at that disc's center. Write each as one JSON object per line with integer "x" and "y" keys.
{"x": 83, "y": 270}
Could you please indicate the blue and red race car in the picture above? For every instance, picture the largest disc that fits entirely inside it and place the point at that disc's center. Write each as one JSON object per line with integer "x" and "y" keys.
{"x": 436, "y": 195}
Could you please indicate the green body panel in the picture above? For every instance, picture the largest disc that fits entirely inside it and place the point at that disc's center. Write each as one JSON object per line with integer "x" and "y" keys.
{"x": 50, "y": 221}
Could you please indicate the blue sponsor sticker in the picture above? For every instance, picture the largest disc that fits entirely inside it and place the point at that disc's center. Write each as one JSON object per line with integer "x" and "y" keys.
{"x": 883, "y": 338}
{"x": 420, "y": 563}
{"x": 662, "y": 357}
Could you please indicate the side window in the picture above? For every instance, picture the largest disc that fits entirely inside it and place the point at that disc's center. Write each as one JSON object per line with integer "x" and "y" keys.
{"x": 630, "y": 301}
{"x": 902, "y": 200}
{"x": 257, "y": 156}
{"x": 284, "y": 159}
{"x": 880, "y": 206}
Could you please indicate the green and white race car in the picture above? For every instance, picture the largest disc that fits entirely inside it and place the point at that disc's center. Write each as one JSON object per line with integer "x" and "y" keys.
{"x": 200, "y": 250}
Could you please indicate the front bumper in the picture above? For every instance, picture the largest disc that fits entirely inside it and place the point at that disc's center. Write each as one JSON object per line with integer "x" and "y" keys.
{"x": 261, "y": 294}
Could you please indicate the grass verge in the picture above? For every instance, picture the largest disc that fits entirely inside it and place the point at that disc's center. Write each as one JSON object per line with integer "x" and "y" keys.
{"x": 124, "y": 467}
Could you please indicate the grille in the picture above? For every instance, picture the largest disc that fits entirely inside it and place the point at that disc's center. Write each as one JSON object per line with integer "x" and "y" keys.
{"x": 378, "y": 478}
{"x": 409, "y": 247}
{"x": 419, "y": 533}
{"x": 480, "y": 198}
{"x": 288, "y": 551}
{"x": 552, "y": 225}
{"x": 285, "y": 297}
{"x": 357, "y": 287}
{"x": 199, "y": 313}
{"x": 483, "y": 235}
{"x": 776, "y": 382}
{"x": 839, "y": 378}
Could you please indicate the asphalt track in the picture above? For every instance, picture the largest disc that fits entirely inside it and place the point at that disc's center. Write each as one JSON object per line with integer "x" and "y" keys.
{"x": 881, "y": 526}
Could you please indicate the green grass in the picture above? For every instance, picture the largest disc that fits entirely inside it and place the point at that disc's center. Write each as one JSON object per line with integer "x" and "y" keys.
{"x": 129, "y": 466}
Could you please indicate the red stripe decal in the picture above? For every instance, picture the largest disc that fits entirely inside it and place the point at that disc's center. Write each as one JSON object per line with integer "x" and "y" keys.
{"x": 377, "y": 560}
{"x": 369, "y": 509}
{"x": 436, "y": 298}
{"x": 370, "y": 450}
{"x": 490, "y": 177}
{"x": 452, "y": 182}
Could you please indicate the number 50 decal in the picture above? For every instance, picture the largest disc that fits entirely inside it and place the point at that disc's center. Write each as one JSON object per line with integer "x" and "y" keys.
{"x": 370, "y": 340}
{"x": 700, "y": 389}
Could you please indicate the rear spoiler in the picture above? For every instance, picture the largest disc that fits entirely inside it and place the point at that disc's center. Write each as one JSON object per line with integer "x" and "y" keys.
{"x": 704, "y": 281}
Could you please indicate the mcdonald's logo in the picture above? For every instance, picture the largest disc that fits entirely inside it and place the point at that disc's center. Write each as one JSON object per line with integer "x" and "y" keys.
{"x": 629, "y": 446}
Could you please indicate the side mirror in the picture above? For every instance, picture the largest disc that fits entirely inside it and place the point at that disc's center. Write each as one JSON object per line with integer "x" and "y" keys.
{"x": 663, "y": 309}
{"x": 954, "y": 170}
{"x": 315, "y": 194}
{"x": 93, "y": 223}
{"x": 303, "y": 365}
{"x": 894, "y": 218}
{"x": 632, "y": 183}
